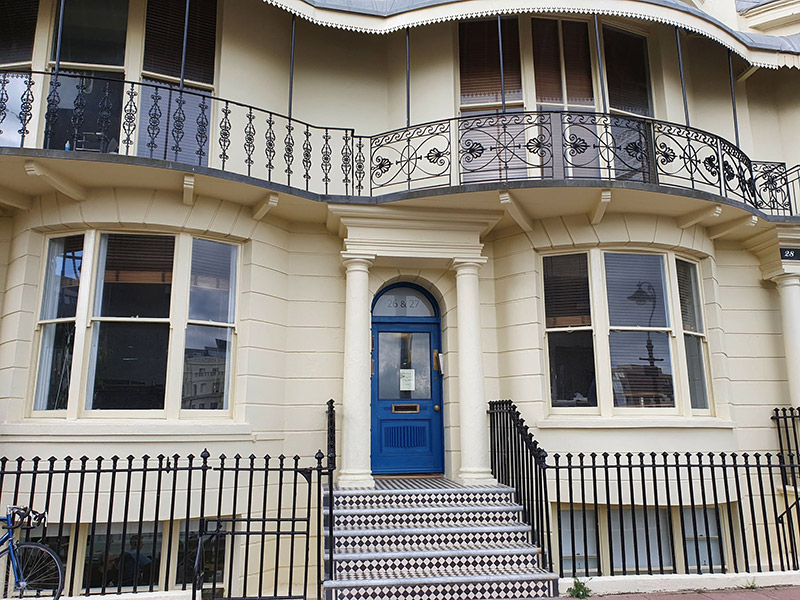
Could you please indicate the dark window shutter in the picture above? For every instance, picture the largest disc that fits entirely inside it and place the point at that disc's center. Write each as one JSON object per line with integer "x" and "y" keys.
{"x": 17, "y": 29}
{"x": 479, "y": 53}
{"x": 163, "y": 43}
{"x": 628, "y": 72}
{"x": 547, "y": 61}
{"x": 577, "y": 63}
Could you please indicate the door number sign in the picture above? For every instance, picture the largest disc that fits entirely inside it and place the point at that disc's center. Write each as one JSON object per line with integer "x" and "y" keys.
{"x": 790, "y": 253}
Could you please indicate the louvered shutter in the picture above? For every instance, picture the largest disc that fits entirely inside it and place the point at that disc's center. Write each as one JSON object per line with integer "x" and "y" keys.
{"x": 164, "y": 39}
{"x": 480, "y": 61}
{"x": 547, "y": 62}
{"x": 627, "y": 71}
{"x": 17, "y": 29}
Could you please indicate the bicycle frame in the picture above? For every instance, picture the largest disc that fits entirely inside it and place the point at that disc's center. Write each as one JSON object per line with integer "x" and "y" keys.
{"x": 7, "y": 540}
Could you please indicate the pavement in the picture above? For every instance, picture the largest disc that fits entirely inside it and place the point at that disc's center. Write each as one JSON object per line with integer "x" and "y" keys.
{"x": 776, "y": 593}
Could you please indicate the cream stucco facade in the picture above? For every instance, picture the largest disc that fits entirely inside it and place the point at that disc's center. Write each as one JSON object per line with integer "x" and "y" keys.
{"x": 315, "y": 244}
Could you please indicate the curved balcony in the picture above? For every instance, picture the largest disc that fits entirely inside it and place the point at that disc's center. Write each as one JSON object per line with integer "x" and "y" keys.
{"x": 514, "y": 149}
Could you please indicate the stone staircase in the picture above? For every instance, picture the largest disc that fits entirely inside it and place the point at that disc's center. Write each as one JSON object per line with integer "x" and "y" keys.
{"x": 431, "y": 539}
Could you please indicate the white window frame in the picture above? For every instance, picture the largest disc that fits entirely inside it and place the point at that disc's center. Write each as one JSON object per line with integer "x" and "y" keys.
{"x": 81, "y": 374}
{"x": 601, "y": 328}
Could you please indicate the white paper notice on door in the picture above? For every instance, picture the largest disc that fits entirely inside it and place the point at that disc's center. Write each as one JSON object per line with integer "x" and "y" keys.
{"x": 407, "y": 383}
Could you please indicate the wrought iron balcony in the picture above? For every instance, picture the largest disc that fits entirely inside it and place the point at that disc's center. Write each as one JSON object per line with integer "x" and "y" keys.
{"x": 153, "y": 120}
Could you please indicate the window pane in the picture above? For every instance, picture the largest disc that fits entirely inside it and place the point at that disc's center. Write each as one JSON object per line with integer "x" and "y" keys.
{"x": 689, "y": 295}
{"x": 55, "y": 364}
{"x": 213, "y": 558}
{"x": 131, "y": 366}
{"x": 480, "y": 61}
{"x": 404, "y": 366}
{"x": 136, "y": 276}
{"x": 572, "y": 381}
{"x": 703, "y": 544}
{"x": 634, "y": 523}
{"x": 628, "y": 73}
{"x": 64, "y": 261}
{"x": 93, "y": 32}
{"x": 580, "y": 540}
{"x": 641, "y": 369}
{"x": 547, "y": 61}
{"x": 577, "y": 63}
{"x": 96, "y": 126}
{"x": 206, "y": 367}
{"x": 17, "y": 29}
{"x": 636, "y": 290}
{"x": 566, "y": 290}
{"x": 211, "y": 296}
{"x": 695, "y": 365}
{"x": 403, "y": 302}
{"x": 114, "y": 560}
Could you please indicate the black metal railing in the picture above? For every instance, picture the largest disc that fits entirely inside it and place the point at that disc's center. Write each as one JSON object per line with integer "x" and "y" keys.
{"x": 646, "y": 513}
{"x": 83, "y": 112}
{"x": 787, "y": 422}
{"x": 233, "y": 527}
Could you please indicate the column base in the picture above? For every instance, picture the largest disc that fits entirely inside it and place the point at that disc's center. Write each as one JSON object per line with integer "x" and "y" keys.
{"x": 481, "y": 477}
{"x": 358, "y": 480}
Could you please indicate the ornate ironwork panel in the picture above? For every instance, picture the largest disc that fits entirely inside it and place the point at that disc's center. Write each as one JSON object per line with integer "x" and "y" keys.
{"x": 418, "y": 154}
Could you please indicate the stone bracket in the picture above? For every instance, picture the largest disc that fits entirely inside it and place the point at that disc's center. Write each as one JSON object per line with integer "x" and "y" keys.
{"x": 693, "y": 218}
{"x": 263, "y": 206}
{"x": 599, "y": 210}
{"x": 58, "y": 182}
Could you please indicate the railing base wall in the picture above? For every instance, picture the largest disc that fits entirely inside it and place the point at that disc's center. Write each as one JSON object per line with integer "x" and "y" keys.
{"x": 642, "y": 584}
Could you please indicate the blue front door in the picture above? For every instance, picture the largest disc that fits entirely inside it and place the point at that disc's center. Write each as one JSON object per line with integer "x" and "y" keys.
{"x": 407, "y": 425}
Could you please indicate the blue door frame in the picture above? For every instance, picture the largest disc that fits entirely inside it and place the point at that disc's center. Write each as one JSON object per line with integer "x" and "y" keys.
{"x": 407, "y": 426}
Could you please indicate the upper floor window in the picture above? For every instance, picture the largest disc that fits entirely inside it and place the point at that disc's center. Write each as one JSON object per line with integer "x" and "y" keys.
{"x": 17, "y": 30}
{"x": 562, "y": 64}
{"x": 479, "y": 50}
{"x": 93, "y": 32}
{"x": 163, "y": 40}
{"x": 617, "y": 348}
{"x": 131, "y": 323}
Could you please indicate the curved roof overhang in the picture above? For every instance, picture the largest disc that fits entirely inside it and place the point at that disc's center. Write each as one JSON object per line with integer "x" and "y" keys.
{"x": 386, "y": 16}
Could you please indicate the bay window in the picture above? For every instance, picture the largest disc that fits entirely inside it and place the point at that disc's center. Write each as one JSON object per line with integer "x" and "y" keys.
{"x": 616, "y": 341}
{"x": 148, "y": 306}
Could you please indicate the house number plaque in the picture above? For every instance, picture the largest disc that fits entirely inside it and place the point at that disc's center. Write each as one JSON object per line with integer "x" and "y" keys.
{"x": 790, "y": 253}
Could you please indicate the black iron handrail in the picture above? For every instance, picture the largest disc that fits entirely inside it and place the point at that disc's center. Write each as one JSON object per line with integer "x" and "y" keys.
{"x": 683, "y": 512}
{"x": 156, "y": 120}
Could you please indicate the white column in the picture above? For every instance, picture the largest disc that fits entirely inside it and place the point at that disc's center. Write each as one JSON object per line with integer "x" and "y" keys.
{"x": 473, "y": 422}
{"x": 356, "y": 470}
{"x": 789, "y": 293}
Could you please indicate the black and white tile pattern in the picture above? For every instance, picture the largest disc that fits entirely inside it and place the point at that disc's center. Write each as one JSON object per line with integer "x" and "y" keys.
{"x": 431, "y": 539}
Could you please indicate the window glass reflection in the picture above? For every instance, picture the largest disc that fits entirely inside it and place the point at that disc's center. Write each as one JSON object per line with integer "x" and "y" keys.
{"x": 635, "y": 284}
{"x": 641, "y": 369}
{"x": 206, "y": 367}
{"x": 64, "y": 262}
{"x": 572, "y": 381}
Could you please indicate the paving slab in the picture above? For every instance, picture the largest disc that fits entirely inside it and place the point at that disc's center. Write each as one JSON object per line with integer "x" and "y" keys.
{"x": 782, "y": 593}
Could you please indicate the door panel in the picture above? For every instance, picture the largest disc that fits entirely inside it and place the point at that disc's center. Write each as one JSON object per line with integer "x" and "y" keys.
{"x": 407, "y": 434}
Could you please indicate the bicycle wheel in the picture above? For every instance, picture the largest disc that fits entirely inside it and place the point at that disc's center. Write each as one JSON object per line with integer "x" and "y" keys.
{"x": 41, "y": 574}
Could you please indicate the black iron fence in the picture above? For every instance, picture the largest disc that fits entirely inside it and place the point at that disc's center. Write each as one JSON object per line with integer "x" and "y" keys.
{"x": 636, "y": 513}
{"x": 233, "y": 527}
{"x": 787, "y": 422}
{"x": 86, "y": 112}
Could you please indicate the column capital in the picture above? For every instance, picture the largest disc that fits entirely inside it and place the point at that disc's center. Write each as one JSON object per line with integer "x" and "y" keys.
{"x": 465, "y": 265}
{"x": 356, "y": 261}
{"x": 787, "y": 279}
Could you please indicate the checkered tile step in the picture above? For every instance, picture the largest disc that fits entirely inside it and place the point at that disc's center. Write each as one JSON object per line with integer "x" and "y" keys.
{"x": 427, "y": 497}
{"x": 489, "y": 586}
{"x": 440, "y": 516}
{"x": 432, "y": 539}
{"x": 396, "y": 540}
{"x": 431, "y": 564}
